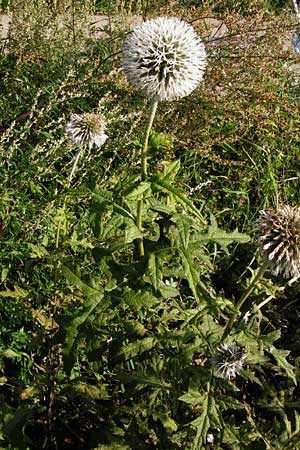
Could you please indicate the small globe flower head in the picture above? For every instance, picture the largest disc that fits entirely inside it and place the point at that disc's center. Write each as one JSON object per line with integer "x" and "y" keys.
{"x": 86, "y": 130}
{"x": 227, "y": 361}
{"x": 278, "y": 238}
{"x": 164, "y": 58}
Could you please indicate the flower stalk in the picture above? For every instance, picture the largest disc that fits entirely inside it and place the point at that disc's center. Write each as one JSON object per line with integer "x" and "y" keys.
{"x": 139, "y": 215}
{"x": 74, "y": 166}
{"x": 65, "y": 199}
{"x": 243, "y": 298}
{"x": 153, "y": 109}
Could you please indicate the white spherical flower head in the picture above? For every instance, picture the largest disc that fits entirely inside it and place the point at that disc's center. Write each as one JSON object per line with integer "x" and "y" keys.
{"x": 86, "y": 130}
{"x": 164, "y": 58}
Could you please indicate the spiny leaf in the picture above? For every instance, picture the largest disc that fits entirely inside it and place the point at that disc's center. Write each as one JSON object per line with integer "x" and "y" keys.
{"x": 94, "y": 298}
{"x": 183, "y": 225}
{"x": 270, "y": 338}
{"x": 17, "y": 293}
{"x": 248, "y": 375}
{"x": 155, "y": 272}
{"x": 158, "y": 141}
{"x": 145, "y": 379}
{"x": 112, "y": 446}
{"x": 138, "y": 299}
{"x": 138, "y": 347}
{"x": 168, "y": 422}
{"x": 192, "y": 275}
{"x": 124, "y": 210}
{"x": 167, "y": 290}
{"x": 221, "y": 237}
{"x": 72, "y": 331}
{"x": 225, "y": 402}
{"x": 193, "y": 397}
{"x": 136, "y": 191}
{"x": 179, "y": 196}
{"x": 95, "y": 392}
{"x": 280, "y": 357}
{"x": 214, "y": 413}
{"x": 37, "y": 250}
{"x": 201, "y": 424}
{"x": 105, "y": 226}
{"x": 132, "y": 232}
{"x": 75, "y": 280}
{"x": 30, "y": 392}
{"x": 103, "y": 194}
{"x": 170, "y": 171}
{"x": 120, "y": 206}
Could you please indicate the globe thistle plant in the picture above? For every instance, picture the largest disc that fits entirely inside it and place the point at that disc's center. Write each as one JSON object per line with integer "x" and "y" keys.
{"x": 227, "y": 361}
{"x": 278, "y": 238}
{"x": 86, "y": 130}
{"x": 164, "y": 58}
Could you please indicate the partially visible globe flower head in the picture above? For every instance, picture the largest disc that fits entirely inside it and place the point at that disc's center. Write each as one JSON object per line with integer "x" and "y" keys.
{"x": 278, "y": 238}
{"x": 86, "y": 130}
{"x": 164, "y": 58}
{"x": 296, "y": 10}
{"x": 296, "y": 42}
{"x": 227, "y": 361}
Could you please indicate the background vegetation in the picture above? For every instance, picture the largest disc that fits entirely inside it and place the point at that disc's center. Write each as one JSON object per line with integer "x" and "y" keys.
{"x": 99, "y": 349}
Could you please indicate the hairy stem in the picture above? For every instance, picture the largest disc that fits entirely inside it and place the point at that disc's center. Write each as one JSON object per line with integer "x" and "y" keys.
{"x": 139, "y": 215}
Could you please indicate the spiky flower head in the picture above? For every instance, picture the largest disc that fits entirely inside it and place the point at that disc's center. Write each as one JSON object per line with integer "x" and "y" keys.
{"x": 278, "y": 238}
{"x": 164, "y": 58}
{"x": 86, "y": 130}
{"x": 227, "y": 361}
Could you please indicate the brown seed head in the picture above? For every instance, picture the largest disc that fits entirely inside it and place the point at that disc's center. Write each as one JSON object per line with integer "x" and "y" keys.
{"x": 278, "y": 238}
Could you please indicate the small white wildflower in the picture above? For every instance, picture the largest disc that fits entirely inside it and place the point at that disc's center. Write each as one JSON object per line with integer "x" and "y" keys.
{"x": 86, "y": 130}
{"x": 227, "y": 361}
{"x": 164, "y": 58}
{"x": 278, "y": 238}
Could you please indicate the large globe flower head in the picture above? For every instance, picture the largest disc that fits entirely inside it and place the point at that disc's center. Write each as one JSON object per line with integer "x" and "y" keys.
{"x": 164, "y": 58}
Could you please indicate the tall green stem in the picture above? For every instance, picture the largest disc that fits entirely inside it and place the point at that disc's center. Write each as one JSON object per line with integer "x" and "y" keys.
{"x": 243, "y": 298}
{"x": 139, "y": 215}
